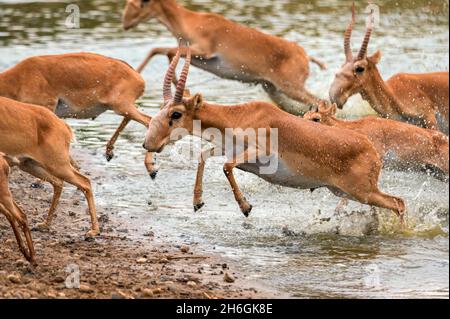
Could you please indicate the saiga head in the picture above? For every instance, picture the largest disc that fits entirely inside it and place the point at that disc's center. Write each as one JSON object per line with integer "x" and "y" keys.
{"x": 137, "y": 11}
{"x": 321, "y": 114}
{"x": 175, "y": 119}
{"x": 356, "y": 71}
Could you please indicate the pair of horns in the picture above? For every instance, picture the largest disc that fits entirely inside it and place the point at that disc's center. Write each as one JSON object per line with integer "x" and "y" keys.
{"x": 348, "y": 35}
{"x": 181, "y": 84}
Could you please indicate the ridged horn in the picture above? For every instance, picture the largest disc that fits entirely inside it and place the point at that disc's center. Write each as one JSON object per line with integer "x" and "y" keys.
{"x": 183, "y": 77}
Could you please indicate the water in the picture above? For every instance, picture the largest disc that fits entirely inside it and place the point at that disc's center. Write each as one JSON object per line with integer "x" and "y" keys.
{"x": 294, "y": 241}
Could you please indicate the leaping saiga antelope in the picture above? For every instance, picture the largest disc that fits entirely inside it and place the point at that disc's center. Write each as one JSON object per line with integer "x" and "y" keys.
{"x": 419, "y": 99}
{"x": 40, "y": 142}
{"x": 231, "y": 51}
{"x": 79, "y": 85}
{"x": 309, "y": 155}
{"x": 13, "y": 213}
{"x": 400, "y": 145}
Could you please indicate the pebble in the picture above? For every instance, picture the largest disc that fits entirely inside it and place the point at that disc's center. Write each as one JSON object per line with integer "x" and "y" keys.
{"x": 141, "y": 260}
{"x": 147, "y": 292}
{"x": 20, "y": 263}
{"x": 59, "y": 279}
{"x": 86, "y": 289}
{"x": 184, "y": 249}
{"x": 15, "y": 279}
{"x": 157, "y": 291}
{"x": 228, "y": 278}
{"x": 191, "y": 283}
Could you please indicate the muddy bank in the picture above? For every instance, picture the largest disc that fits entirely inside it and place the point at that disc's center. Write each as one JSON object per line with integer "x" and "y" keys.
{"x": 115, "y": 265}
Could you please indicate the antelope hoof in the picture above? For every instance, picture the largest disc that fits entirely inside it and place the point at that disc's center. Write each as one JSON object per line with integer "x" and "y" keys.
{"x": 246, "y": 210}
{"x": 91, "y": 234}
{"x": 33, "y": 262}
{"x": 197, "y": 207}
{"x": 31, "y": 259}
{"x": 42, "y": 227}
{"x": 109, "y": 156}
{"x": 153, "y": 174}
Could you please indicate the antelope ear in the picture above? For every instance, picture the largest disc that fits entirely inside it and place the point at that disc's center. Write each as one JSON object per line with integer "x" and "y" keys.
{"x": 333, "y": 110}
{"x": 197, "y": 101}
{"x": 376, "y": 57}
{"x": 322, "y": 106}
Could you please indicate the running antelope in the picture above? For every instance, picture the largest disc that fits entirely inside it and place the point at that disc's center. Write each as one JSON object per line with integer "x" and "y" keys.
{"x": 232, "y": 51}
{"x": 309, "y": 155}
{"x": 13, "y": 212}
{"x": 79, "y": 85}
{"x": 400, "y": 145}
{"x": 420, "y": 99}
{"x": 41, "y": 141}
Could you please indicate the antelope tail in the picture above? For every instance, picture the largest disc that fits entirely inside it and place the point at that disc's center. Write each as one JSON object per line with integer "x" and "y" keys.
{"x": 322, "y": 65}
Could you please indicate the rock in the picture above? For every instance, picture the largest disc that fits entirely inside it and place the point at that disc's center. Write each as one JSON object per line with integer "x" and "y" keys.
{"x": 15, "y": 279}
{"x": 228, "y": 278}
{"x": 147, "y": 293}
{"x": 20, "y": 263}
{"x": 103, "y": 219}
{"x": 86, "y": 289}
{"x": 51, "y": 294}
{"x": 184, "y": 249}
{"x": 59, "y": 279}
{"x": 157, "y": 291}
{"x": 191, "y": 283}
{"x": 142, "y": 260}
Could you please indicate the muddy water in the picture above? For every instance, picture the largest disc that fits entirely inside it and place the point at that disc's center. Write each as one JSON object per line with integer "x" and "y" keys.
{"x": 294, "y": 241}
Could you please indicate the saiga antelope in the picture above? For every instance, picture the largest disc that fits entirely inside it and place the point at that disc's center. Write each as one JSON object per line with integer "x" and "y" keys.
{"x": 13, "y": 213}
{"x": 309, "y": 155}
{"x": 231, "y": 51}
{"x": 420, "y": 99}
{"x": 400, "y": 145}
{"x": 79, "y": 85}
{"x": 40, "y": 140}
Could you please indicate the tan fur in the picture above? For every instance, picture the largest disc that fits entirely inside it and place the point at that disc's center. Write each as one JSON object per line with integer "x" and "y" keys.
{"x": 413, "y": 147}
{"x": 41, "y": 142}
{"x": 341, "y": 160}
{"x": 14, "y": 214}
{"x": 78, "y": 85}
{"x": 242, "y": 53}
{"x": 420, "y": 99}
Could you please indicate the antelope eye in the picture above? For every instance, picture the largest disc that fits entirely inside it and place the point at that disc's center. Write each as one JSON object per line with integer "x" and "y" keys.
{"x": 176, "y": 116}
{"x": 359, "y": 69}
{"x": 316, "y": 119}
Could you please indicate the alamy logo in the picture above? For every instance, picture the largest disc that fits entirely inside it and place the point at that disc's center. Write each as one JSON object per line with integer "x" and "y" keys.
{"x": 73, "y": 19}
{"x": 73, "y": 279}
{"x": 252, "y": 146}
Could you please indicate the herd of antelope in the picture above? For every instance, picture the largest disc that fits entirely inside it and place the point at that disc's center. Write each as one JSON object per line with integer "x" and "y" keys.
{"x": 314, "y": 151}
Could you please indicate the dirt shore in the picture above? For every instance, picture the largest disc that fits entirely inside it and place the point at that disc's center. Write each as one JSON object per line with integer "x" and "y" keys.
{"x": 115, "y": 265}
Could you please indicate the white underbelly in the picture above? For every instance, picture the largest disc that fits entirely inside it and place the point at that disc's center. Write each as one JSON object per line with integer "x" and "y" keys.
{"x": 64, "y": 110}
{"x": 282, "y": 175}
